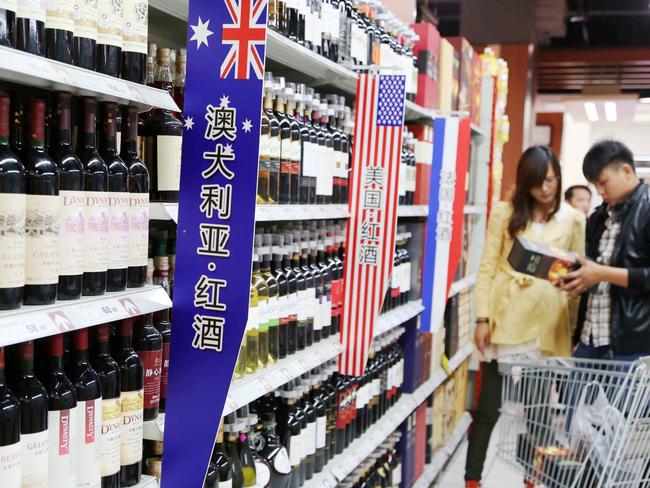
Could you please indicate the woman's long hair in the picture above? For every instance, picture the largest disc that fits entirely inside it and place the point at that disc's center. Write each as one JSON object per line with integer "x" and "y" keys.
{"x": 531, "y": 173}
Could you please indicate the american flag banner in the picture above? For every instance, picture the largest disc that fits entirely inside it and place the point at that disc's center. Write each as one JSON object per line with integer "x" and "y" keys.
{"x": 444, "y": 234}
{"x": 370, "y": 237}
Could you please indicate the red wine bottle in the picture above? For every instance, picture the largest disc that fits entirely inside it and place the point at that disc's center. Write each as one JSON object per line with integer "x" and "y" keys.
{"x": 59, "y": 30}
{"x": 85, "y": 33}
{"x": 164, "y": 326}
{"x": 12, "y": 226}
{"x": 8, "y": 23}
{"x": 73, "y": 202}
{"x": 97, "y": 203}
{"x": 89, "y": 418}
{"x": 134, "y": 41}
{"x": 148, "y": 343}
{"x": 139, "y": 200}
{"x": 109, "y": 37}
{"x": 118, "y": 210}
{"x": 30, "y": 27}
{"x": 42, "y": 213}
{"x": 9, "y": 431}
{"x": 62, "y": 414}
{"x": 109, "y": 379}
{"x": 33, "y": 416}
{"x": 132, "y": 403}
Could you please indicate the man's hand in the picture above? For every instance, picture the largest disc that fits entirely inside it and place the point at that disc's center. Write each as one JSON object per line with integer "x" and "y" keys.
{"x": 579, "y": 281}
{"x": 482, "y": 336}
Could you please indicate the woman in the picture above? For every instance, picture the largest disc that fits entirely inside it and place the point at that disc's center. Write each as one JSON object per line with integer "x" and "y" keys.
{"x": 518, "y": 315}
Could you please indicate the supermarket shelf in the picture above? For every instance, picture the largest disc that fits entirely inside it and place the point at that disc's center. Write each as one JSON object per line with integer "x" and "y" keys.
{"x": 163, "y": 211}
{"x": 32, "y": 322}
{"x": 31, "y": 70}
{"x": 413, "y": 211}
{"x": 477, "y": 131}
{"x": 147, "y": 482}
{"x": 462, "y": 285}
{"x": 269, "y": 213}
{"x": 397, "y": 316}
{"x": 442, "y": 455}
{"x": 153, "y": 430}
{"x": 475, "y": 209}
{"x": 413, "y": 111}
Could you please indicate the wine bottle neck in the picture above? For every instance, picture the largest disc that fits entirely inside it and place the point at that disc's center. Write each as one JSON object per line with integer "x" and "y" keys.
{"x": 65, "y": 138}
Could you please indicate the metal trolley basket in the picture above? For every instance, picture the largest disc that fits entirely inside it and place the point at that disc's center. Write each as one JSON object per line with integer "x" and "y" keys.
{"x": 577, "y": 423}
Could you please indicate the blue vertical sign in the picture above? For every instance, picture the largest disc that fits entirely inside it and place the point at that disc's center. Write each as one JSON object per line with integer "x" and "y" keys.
{"x": 225, "y": 72}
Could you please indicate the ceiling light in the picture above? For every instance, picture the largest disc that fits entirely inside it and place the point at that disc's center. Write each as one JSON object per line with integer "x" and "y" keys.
{"x": 610, "y": 111}
{"x": 590, "y": 110}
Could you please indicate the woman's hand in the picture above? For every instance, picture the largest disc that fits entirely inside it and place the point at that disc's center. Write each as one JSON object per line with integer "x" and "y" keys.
{"x": 482, "y": 335}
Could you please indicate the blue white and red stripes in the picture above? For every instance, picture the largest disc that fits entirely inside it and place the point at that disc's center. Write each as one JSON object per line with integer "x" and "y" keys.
{"x": 370, "y": 237}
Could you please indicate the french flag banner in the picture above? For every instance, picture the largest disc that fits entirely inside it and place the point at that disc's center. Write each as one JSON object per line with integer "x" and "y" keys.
{"x": 444, "y": 234}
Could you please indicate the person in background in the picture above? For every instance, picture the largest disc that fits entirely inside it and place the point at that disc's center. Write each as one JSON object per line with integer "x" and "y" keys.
{"x": 520, "y": 316}
{"x": 614, "y": 318}
{"x": 579, "y": 197}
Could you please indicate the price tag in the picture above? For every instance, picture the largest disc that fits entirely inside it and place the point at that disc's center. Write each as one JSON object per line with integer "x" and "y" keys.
{"x": 31, "y": 328}
{"x": 339, "y": 472}
{"x": 61, "y": 321}
{"x": 284, "y": 373}
{"x": 303, "y": 364}
{"x": 321, "y": 358}
{"x": 265, "y": 384}
{"x": 130, "y": 307}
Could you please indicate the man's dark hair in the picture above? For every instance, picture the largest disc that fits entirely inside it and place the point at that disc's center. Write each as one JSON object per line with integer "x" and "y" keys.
{"x": 568, "y": 194}
{"x": 603, "y": 154}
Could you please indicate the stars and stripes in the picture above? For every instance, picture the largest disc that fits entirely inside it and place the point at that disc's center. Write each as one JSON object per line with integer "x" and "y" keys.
{"x": 369, "y": 259}
{"x": 246, "y": 37}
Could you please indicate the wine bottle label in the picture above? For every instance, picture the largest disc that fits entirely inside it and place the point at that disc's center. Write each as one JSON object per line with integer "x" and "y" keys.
{"x": 89, "y": 453}
{"x": 10, "y": 459}
{"x": 35, "y": 459}
{"x": 262, "y": 474}
{"x": 42, "y": 240}
{"x": 85, "y": 19}
{"x": 138, "y": 229}
{"x": 59, "y": 15}
{"x": 62, "y": 426}
{"x": 397, "y": 475}
{"x": 110, "y": 436}
{"x": 225, "y": 484}
{"x": 291, "y": 4}
{"x": 12, "y": 239}
{"x": 110, "y": 22}
{"x": 10, "y": 5}
{"x": 71, "y": 232}
{"x": 164, "y": 376}
{"x": 253, "y": 318}
{"x": 118, "y": 230}
{"x": 274, "y": 147}
{"x": 136, "y": 17}
{"x": 321, "y": 431}
{"x": 152, "y": 361}
{"x": 132, "y": 403}
{"x": 97, "y": 225}
{"x": 31, "y": 9}
{"x": 295, "y": 450}
{"x": 310, "y": 445}
{"x": 304, "y": 303}
{"x": 169, "y": 162}
{"x": 265, "y": 149}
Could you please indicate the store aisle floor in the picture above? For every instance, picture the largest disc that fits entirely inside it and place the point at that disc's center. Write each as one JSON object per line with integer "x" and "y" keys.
{"x": 497, "y": 474}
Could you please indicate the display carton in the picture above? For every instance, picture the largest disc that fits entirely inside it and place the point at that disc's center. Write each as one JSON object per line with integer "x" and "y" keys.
{"x": 446, "y": 77}
{"x": 466, "y": 56}
{"x": 542, "y": 261}
{"x": 427, "y": 50}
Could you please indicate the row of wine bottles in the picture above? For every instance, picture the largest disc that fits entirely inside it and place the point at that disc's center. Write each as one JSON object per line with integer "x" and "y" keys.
{"x": 100, "y": 35}
{"x": 72, "y": 222}
{"x": 72, "y": 407}
{"x": 382, "y": 469}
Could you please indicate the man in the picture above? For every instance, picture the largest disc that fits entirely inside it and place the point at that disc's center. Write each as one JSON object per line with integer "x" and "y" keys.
{"x": 579, "y": 197}
{"x": 614, "y": 318}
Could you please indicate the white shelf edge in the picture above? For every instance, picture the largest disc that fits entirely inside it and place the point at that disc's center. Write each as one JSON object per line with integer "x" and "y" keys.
{"x": 397, "y": 316}
{"x": 412, "y": 210}
{"x": 147, "y": 482}
{"x": 442, "y": 455}
{"x": 462, "y": 285}
{"x": 31, "y": 70}
{"x": 33, "y": 322}
{"x": 475, "y": 209}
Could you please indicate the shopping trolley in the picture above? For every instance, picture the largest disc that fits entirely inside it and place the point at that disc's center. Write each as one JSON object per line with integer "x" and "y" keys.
{"x": 574, "y": 423}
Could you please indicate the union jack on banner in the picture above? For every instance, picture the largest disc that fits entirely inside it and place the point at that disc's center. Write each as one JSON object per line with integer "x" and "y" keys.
{"x": 370, "y": 237}
{"x": 246, "y": 37}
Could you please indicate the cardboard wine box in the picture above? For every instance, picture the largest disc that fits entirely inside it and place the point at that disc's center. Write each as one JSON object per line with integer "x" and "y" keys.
{"x": 466, "y": 55}
{"x": 423, "y": 161}
{"x": 541, "y": 261}
{"x": 427, "y": 51}
{"x": 446, "y": 76}
{"x": 477, "y": 86}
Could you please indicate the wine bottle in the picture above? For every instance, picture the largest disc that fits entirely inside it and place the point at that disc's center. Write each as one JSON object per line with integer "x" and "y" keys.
{"x": 223, "y": 463}
{"x": 8, "y": 23}
{"x": 119, "y": 200}
{"x": 30, "y": 27}
{"x": 138, "y": 201}
{"x": 59, "y": 30}
{"x": 42, "y": 213}
{"x": 33, "y": 418}
{"x": 10, "y": 446}
{"x": 147, "y": 342}
{"x": 231, "y": 429}
{"x": 132, "y": 403}
{"x": 179, "y": 79}
{"x": 109, "y": 379}
{"x": 244, "y": 449}
{"x": 12, "y": 226}
{"x": 97, "y": 204}
{"x": 89, "y": 400}
{"x": 73, "y": 202}
{"x": 134, "y": 40}
{"x": 164, "y": 326}
{"x": 110, "y": 26}
{"x": 85, "y": 33}
{"x": 164, "y": 136}
{"x": 62, "y": 418}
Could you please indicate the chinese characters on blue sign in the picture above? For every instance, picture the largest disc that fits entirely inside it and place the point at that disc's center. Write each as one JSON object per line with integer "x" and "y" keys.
{"x": 225, "y": 71}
